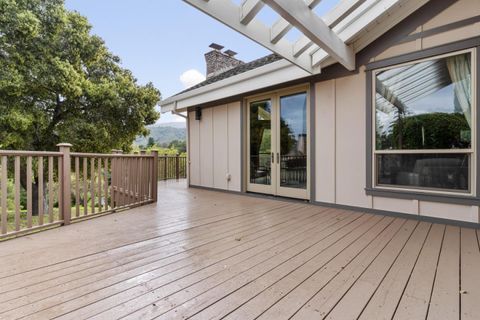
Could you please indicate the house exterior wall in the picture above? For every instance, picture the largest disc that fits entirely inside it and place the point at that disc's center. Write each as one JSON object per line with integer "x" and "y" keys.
{"x": 341, "y": 129}
{"x": 340, "y": 146}
{"x": 215, "y": 147}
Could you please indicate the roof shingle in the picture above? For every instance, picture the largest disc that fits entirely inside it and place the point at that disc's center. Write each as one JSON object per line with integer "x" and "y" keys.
{"x": 237, "y": 70}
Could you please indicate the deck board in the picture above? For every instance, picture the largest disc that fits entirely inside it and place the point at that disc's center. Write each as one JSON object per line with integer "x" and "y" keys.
{"x": 200, "y": 254}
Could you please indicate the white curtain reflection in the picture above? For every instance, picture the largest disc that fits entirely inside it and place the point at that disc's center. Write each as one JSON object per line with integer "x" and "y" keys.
{"x": 460, "y": 73}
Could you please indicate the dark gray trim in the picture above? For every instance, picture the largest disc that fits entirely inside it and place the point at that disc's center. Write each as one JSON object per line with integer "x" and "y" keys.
{"x": 441, "y": 29}
{"x": 369, "y": 133}
{"x": 477, "y": 136}
{"x": 426, "y": 53}
{"x": 419, "y": 195}
{"x": 243, "y": 172}
{"x": 312, "y": 135}
{"x": 463, "y": 224}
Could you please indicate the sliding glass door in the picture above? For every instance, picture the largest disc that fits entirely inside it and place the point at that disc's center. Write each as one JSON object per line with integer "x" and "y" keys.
{"x": 278, "y": 145}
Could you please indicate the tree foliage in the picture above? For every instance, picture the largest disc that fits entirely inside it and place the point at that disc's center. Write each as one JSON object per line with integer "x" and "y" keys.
{"x": 429, "y": 131}
{"x": 60, "y": 83}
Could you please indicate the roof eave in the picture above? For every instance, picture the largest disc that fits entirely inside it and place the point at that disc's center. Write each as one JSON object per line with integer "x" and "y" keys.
{"x": 264, "y": 76}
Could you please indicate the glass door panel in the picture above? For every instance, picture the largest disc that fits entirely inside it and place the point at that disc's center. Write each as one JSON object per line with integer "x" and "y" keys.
{"x": 293, "y": 141}
{"x": 260, "y": 142}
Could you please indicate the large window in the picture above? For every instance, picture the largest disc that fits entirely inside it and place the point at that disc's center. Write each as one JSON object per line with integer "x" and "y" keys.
{"x": 425, "y": 125}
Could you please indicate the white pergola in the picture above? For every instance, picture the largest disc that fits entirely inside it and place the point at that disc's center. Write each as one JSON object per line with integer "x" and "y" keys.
{"x": 329, "y": 36}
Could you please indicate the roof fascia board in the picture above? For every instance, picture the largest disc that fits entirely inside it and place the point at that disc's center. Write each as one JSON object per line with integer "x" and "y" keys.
{"x": 265, "y": 76}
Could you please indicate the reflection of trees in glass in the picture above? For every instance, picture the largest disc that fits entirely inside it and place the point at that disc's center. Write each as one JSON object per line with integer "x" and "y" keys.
{"x": 260, "y": 131}
{"x": 428, "y": 131}
{"x": 288, "y": 141}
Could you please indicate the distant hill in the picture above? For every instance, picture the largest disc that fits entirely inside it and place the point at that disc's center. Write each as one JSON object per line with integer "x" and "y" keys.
{"x": 164, "y": 133}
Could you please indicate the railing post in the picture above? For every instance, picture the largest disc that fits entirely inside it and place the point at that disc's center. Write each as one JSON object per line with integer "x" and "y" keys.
{"x": 177, "y": 166}
{"x": 65, "y": 178}
{"x": 114, "y": 179}
{"x": 165, "y": 166}
{"x": 154, "y": 175}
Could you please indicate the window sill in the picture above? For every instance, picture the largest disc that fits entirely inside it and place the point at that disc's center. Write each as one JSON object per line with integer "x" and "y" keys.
{"x": 424, "y": 196}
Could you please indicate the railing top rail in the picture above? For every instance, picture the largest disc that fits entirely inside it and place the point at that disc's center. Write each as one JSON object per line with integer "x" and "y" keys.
{"x": 30, "y": 153}
{"x": 110, "y": 155}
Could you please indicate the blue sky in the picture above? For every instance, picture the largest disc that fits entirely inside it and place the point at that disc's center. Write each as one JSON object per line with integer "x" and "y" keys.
{"x": 159, "y": 40}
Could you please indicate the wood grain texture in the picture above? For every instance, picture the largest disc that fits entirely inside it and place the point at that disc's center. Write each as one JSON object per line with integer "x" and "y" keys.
{"x": 200, "y": 254}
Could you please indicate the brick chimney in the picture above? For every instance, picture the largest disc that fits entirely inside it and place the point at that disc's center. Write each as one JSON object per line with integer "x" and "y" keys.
{"x": 218, "y": 61}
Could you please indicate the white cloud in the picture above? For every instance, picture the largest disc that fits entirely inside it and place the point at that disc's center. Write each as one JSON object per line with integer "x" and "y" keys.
{"x": 191, "y": 77}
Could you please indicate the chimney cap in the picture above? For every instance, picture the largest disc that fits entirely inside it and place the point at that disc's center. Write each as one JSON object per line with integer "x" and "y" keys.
{"x": 230, "y": 53}
{"x": 216, "y": 46}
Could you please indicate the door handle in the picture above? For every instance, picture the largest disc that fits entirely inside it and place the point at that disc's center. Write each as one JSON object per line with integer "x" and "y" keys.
{"x": 273, "y": 157}
{"x": 278, "y": 157}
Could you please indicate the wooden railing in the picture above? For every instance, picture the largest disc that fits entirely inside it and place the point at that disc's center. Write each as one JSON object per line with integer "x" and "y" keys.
{"x": 39, "y": 190}
{"x": 172, "y": 167}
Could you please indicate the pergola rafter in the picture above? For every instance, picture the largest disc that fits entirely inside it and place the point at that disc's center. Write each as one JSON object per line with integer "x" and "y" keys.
{"x": 323, "y": 37}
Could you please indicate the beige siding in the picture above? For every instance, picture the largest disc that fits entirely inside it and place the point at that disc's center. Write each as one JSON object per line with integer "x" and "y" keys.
{"x": 215, "y": 155}
{"x": 325, "y": 141}
{"x": 206, "y": 148}
{"x": 194, "y": 149}
{"x": 461, "y": 10}
{"x": 350, "y": 140}
{"x": 340, "y": 129}
{"x": 220, "y": 146}
{"x": 234, "y": 146}
{"x": 449, "y": 211}
{"x": 395, "y": 205}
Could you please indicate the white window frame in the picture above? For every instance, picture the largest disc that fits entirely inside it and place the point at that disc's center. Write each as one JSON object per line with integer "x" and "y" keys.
{"x": 472, "y": 152}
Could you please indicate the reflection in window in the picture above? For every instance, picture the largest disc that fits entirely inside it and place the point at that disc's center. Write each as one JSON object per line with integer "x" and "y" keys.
{"x": 425, "y": 106}
{"x": 433, "y": 171}
{"x": 293, "y": 141}
{"x": 260, "y": 142}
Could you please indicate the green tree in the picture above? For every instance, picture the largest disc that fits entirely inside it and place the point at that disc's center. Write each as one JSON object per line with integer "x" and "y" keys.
{"x": 60, "y": 83}
{"x": 179, "y": 145}
{"x": 151, "y": 142}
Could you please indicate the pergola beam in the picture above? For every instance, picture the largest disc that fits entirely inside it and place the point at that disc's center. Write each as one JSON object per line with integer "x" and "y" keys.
{"x": 332, "y": 18}
{"x": 249, "y": 10}
{"x": 279, "y": 29}
{"x": 368, "y": 12}
{"x": 303, "y": 18}
{"x": 227, "y": 13}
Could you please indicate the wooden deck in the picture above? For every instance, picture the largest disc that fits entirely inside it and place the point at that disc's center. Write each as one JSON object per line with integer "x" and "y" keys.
{"x": 208, "y": 255}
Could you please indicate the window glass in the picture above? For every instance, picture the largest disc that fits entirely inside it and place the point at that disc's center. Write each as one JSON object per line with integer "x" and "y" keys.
{"x": 293, "y": 141}
{"x": 260, "y": 142}
{"x": 425, "y": 105}
{"x": 432, "y": 171}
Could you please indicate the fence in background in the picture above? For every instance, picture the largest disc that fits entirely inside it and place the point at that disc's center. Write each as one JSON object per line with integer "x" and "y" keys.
{"x": 172, "y": 167}
{"x": 39, "y": 190}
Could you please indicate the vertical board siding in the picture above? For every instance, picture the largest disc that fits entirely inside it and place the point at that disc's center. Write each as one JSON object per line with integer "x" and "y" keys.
{"x": 194, "y": 152}
{"x": 215, "y": 147}
{"x": 206, "y": 148}
{"x": 220, "y": 147}
{"x": 234, "y": 146}
{"x": 325, "y": 141}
